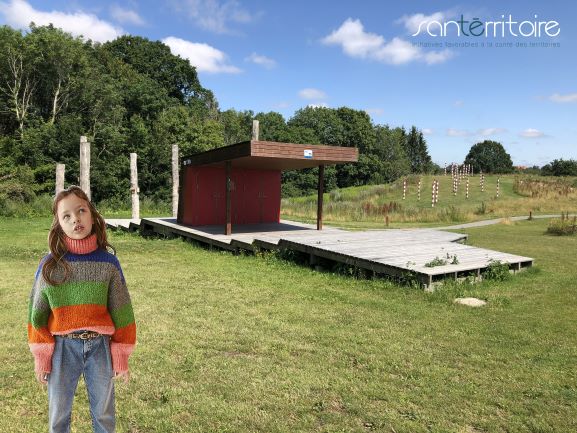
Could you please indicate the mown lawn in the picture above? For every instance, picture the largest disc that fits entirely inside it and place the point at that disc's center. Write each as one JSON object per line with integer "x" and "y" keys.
{"x": 255, "y": 344}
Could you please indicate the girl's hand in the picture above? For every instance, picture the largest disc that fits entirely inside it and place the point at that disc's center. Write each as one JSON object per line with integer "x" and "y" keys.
{"x": 42, "y": 377}
{"x": 124, "y": 375}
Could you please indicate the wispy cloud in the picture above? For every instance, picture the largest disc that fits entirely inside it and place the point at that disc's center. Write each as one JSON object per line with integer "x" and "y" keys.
{"x": 458, "y": 103}
{"x": 19, "y": 14}
{"x": 412, "y": 22}
{"x": 452, "y": 132}
{"x": 261, "y": 60}
{"x": 427, "y": 131}
{"x": 491, "y": 131}
{"x": 215, "y": 15}
{"x": 531, "y": 133}
{"x": 126, "y": 16}
{"x": 569, "y": 97}
{"x": 375, "y": 111}
{"x": 310, "y": 93}
{"x": 356, "y": 42}
{"x": 282, "y": 105}
{"x": 204, "y": 57}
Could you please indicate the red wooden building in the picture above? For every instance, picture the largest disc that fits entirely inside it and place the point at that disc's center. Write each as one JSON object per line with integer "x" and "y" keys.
{"x": 241, "y": 183}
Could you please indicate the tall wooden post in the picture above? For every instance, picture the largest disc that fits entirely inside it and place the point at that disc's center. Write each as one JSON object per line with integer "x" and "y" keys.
{"x": 85, "y": 166}
{"x": 228, "y": 228}
{"x": 134, "y": 190}
{"x": 255, "y": 130}
{"x": 320, "y": 197}
{"x": 175, "y": 180}
{"x": 59, "y": 178}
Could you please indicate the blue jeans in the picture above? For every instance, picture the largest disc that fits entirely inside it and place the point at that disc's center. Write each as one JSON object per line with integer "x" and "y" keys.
{"x": 71, "y": 358}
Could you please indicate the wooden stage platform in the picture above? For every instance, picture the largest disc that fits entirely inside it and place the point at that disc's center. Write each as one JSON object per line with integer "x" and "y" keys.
{"x": 396, "y": 253}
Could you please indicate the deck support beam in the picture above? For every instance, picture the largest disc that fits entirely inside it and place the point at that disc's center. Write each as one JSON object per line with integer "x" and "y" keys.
{"x": 320, "y": 197}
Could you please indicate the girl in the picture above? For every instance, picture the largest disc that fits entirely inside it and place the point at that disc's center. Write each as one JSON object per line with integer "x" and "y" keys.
{"x": 80, "y": 318}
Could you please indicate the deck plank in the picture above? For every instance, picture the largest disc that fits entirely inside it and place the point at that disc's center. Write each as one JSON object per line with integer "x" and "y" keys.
{"x": 388, "y": 251}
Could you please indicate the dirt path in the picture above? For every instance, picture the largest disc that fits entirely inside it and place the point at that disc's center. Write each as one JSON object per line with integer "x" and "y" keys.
{"x": 495, "y": 221}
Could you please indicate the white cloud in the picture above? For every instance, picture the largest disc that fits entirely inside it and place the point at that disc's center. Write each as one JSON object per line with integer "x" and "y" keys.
{"x": 19, "y": 14}
{"x": 310, "y": 93}
{"x": 215, "y": 15}
{"x": 428, "y": 131}
{"x": 532, "y": 133}
{"x": 204, "y": 57}
{"x": 412, "y": 22}
{"x": 375, "y": 111}
{"x": 126, "y": 16}
{"x": 570, "y": 97}
{"x": 458, "y": 103}
{"x": 319, "y": 105}
{"x": 355, "y": 42}
{"x": 452, "y": 132}
{"x": 491, "y": 131}
{"x": 264, "y": 61}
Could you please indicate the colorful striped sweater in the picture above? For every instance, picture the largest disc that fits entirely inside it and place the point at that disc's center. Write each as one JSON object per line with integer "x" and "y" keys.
{"x": 94, "y": 298}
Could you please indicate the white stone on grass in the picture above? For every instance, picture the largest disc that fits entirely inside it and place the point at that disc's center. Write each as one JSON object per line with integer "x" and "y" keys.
{"x": 471, "y": 302}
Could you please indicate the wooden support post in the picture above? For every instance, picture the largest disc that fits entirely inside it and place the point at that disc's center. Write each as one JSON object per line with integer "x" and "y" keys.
{"x": 59, "y": 178}
{"x": 175, "y": 180}
{"x": 182, "y": 181}
{"x": 134, "y": 190}
{"x": 85, "y": 166}
{"x": 320, "y": 197}
{"x": 255, "y": 130}
{"x": 228, "y": 228}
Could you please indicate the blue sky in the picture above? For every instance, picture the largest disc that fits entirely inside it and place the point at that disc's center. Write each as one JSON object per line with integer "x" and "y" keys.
{"x": 281, "y": 56}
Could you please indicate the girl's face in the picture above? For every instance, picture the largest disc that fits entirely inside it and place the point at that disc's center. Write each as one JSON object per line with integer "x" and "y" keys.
{"x": 74, "y": 217}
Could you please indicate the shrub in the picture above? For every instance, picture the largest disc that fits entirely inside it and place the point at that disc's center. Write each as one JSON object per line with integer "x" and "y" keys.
{"x": 563, "y": 226}
{"x": 436, "y": 262}
{"x": 496, "y": 271}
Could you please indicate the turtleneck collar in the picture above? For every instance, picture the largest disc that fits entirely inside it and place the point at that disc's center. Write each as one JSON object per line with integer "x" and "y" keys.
{"x": 82, "y": 246}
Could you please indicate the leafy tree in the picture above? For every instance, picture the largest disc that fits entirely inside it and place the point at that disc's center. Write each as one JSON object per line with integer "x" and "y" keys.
{"x": 560, "y": 167}
{"x": 490, "y": 157}
{"x": 173, "y": 73}
{"x": 237, "y": 125}
{"x": 272, "y": 127}
{"x": 390, "y": 152}
{"x": 57, "y": 60}
{"x": 416, "y": 151}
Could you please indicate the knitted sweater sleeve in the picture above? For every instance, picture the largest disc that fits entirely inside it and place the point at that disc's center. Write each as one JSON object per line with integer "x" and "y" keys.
{"x": 120, "y": 308}
{"x": 40, "y": 340}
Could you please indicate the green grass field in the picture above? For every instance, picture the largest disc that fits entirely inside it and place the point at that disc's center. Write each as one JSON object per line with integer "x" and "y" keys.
{"x": 256, "y": 344}
{"x": 363, "y": 207}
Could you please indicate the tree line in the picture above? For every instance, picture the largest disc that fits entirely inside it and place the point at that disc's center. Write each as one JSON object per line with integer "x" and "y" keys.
{"x": 132, "y": 95}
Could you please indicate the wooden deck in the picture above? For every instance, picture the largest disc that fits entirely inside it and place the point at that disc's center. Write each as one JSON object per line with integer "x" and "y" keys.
{"x": 396, "y": 253}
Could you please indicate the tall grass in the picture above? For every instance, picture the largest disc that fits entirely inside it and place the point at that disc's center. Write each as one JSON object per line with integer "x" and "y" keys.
{"x": 377, "y": 203}
{"x": 41, "y": 206}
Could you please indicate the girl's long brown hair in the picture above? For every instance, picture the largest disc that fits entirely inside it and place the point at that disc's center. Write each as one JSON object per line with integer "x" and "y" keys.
{"x": 56, "y": 269}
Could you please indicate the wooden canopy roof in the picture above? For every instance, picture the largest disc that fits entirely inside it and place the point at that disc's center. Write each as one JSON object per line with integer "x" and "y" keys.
{"x": 272, "y": 155}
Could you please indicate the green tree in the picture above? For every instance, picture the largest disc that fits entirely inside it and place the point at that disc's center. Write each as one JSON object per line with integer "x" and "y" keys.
{"x": 417, "y": 152}
{"x": 58, "y": 61}
{"x": 490, "y": 157}
{"x": 560, "y": 167}
{"x": 237, "y": 125}
{"x": 173, "y": 73}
